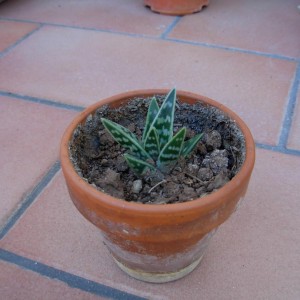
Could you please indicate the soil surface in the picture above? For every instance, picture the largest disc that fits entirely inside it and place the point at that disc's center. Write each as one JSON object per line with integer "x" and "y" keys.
{"x": 217, "y": 158}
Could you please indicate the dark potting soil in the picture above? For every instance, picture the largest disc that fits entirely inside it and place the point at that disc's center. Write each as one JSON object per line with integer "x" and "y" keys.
{"x": 217, "y": 158}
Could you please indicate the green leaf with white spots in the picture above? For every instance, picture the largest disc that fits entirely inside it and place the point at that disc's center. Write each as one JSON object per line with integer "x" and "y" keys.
{"x": 137, "y": 165}
{"x": 152, "y": 112}
{"x": 172, "y": 150}
{"x": 125, "y": 138}
{"x": 189, "y": 145}
{"x": 151, "y": 144}
{"x": 163, "y": 122}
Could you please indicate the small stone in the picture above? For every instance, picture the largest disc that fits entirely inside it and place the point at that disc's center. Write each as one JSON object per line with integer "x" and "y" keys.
{"x": 137, "y": 186}
{"x": 111, "y": 183}
{"x": 217, "y": 161}
{"x": 121, "y": 164}
{"x": 188, "y": 193}
{"x": 131, "y": 127}
{"x": 205, "y": 174}
{"x": 170, "y": 189}
{"x": 104, "y": 162}
{"x": 201, "y": 149}
{"x": 200, "y": 191}
{"x": 188, "y": 181}
{"x": 159, "y": 201}
{"x": 220, "y": 180}
{"x": 178, "y": 169}
{"x": 105, "y": 138}
{"x": 193, "y": 168}
{"x": 213, "y": 140}
{"x": 89, "y": 119}
{"x": 112, "y": 178}
{"x": 190, "y": 133}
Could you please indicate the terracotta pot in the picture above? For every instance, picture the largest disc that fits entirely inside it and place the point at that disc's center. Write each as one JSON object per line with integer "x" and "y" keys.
{"x": 176, "y": 7}
{"x": 156, "y": 243}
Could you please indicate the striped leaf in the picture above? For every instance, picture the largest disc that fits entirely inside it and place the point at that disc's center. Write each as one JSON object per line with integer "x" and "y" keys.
{"x": 152, "y": 144}
{"x": 125, "y": 138}
{"x": 163, "y": 122}
{"x": 137, "y": 165}
{"x": 172, "y": 150}
{"x": 189, "y": 145}
{"x": 152, "y": 112}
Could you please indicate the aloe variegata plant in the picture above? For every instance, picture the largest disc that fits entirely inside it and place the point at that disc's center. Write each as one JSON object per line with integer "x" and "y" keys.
{"x": 158, "y": 149}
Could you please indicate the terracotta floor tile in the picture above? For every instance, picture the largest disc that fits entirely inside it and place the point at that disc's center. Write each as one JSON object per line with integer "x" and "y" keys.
{"x": 118, "y": 15}
{"x": 11, "y": 32}
{"x": 294, "y": 139}
{"x": 266, "y": 26}
{"x": 81, "y": 67}
{"x": 30, "y": 135}
{"x": 16, "y": 283}
{"x": 253, "y": 256}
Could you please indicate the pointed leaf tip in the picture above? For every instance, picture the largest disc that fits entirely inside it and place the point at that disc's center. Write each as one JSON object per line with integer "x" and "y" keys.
{"x": 189, "y": 145}
{"x": 151, "y": 114}
{"x": 164, "y": 119}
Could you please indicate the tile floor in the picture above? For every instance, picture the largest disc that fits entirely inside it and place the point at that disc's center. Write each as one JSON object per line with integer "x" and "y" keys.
{"x": 57, "y": 57}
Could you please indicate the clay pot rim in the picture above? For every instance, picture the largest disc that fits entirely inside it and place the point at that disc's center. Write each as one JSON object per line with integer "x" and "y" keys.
{"x": 206, "y": 203}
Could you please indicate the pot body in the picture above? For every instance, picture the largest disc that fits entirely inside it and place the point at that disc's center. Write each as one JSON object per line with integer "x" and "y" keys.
{"x": 176, "y": 7}
{"x": 156, "y": 243}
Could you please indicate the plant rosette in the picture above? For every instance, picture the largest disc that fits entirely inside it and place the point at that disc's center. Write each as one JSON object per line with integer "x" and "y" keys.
{"x": 176, "y": 7}
{"x": 158, "y": 242}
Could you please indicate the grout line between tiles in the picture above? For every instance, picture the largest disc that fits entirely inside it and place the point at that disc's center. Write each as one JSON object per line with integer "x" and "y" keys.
{"x": 233, "y": 49}
{"x": 164, "y": 38}
{"x": 289, "y": 113}
{"x": 170, "y": 28}
{"x": 43, "y": 101}
{"x": 71, "y": 280}
{"x": 11, "y": 47}
{"x": 278, "y": 149}
{"x": 137, "y": 35}
{"x": 29, "y": 199}
{"x": 130, "y": 34}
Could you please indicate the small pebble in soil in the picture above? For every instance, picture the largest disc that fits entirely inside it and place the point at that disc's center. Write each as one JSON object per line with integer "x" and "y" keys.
{"x": 170, "y": 189}
{"x": 216, "y": 161}
{"x": 201, "y": 149}
{"x": 121, "y": 164}
{"x": 112, "y": 183}
{"x": 104, "y": 162}
{"x": 213, "y": 140}
{"x": 89, "y": 120}
{"x": 131, "y": 127}
{"x": 105, "y": 138}
{"x": 137, "y": 186}
{"x": 193, "y": 168}
{"x": 187, "y": 194}
{"x": 218, "y": 182}
{"x": 205, "y": 174}
{"x": 189, "y": 133}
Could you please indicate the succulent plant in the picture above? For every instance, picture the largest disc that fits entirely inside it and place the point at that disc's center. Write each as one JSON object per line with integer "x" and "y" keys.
{"x": 159, "y": 148}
